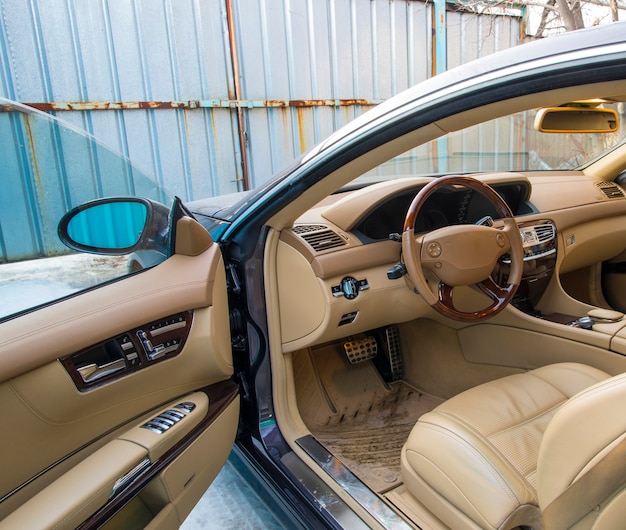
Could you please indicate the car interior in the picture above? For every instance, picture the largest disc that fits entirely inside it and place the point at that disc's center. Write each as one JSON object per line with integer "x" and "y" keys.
{"x": 455, "y": 344}
{"x": 445, "y": 417}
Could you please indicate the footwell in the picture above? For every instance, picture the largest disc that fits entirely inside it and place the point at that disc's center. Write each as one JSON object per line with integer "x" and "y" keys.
{"x": 362, "y": 420}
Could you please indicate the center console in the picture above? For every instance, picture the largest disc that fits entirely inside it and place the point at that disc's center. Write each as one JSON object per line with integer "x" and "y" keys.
{"x": 540, "y": 253}
{"x": 539, "y": 243}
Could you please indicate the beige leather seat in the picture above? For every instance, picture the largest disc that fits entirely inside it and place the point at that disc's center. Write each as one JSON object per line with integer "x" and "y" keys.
{"x": 536, "y": 449}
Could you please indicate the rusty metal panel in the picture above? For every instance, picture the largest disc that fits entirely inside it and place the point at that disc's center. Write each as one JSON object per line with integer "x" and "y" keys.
{"x": 47, "y": 169}
{"x": 98, "y": 53}
{"x": 473, "y": 36}
{"x": 344, "y": 50}
{"x": 212, "y": 96}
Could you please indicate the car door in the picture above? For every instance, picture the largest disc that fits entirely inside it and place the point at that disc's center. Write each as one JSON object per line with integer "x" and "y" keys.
{"x": 116, "y": 401}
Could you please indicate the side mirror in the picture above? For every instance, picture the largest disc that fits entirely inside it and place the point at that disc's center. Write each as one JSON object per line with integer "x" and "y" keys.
{"x": 576, "y": 120}
{"x": 116, "y": 226}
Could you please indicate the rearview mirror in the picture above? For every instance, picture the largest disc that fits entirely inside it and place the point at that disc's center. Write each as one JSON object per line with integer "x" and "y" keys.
{"x": 576, "y": 120}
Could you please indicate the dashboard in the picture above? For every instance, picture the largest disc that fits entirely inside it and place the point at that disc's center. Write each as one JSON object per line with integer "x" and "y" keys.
{"x": 337, "y": 266}
{"x": 445, "y": 207}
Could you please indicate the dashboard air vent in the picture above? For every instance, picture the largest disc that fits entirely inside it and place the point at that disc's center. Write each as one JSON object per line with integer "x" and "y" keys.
{"x": 303, "y": 229}
{"x": 319, "y": 237}
{"x": 544, "y": 232}
{"x": 611, "y": 189}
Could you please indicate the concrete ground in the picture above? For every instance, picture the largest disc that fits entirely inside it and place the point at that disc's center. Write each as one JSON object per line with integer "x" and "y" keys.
{"x": 231, "y": 503}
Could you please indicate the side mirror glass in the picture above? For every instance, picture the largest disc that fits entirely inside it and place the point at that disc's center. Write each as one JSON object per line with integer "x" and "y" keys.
{"x": 106, "y": 226}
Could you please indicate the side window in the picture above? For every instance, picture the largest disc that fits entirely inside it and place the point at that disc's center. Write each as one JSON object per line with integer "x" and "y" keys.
{"x": 48, "y": 168}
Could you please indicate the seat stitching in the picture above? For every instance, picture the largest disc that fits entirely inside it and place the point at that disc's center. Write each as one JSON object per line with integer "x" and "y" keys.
{"x": 588, "y": 392}
{"x": 538, "y": 414}
{"x": 571, "y": 369}
{"x": 488, "y": 439}
{"x": 497, "y": 475}
{"x": 526, "y": 421}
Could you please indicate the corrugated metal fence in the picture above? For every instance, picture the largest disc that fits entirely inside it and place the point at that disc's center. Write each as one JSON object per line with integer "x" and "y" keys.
{"x": 214, "y": 96}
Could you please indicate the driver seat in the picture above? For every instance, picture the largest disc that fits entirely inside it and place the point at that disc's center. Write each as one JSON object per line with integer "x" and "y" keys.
{"x": 544, "y": 449}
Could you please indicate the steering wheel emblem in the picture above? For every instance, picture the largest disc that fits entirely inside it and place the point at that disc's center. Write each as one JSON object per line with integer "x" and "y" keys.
{"x": 434, "y": 249}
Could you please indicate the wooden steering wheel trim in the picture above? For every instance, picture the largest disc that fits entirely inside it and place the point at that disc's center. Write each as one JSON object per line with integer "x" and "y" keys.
{"x": 443, "y": 302}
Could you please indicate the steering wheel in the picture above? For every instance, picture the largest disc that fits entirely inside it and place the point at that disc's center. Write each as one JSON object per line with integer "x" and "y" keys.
{"x": 463, "y": 255}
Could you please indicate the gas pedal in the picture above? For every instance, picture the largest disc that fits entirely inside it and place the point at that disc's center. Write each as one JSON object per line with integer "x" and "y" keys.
{"x": 394, "y": 353}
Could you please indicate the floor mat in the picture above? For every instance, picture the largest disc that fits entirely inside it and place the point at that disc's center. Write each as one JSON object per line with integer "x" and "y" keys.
{"x": 358, "y": 417}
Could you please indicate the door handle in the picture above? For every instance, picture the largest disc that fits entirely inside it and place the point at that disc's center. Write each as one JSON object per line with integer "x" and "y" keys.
{"x": 93, "y": 372}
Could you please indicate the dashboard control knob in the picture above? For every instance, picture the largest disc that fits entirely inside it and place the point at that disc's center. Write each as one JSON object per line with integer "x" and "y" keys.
{"x": 349, "y": 287}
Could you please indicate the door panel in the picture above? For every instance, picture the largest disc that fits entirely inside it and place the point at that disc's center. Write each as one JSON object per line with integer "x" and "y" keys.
{"x": 77, "y": 494}
{"x": 178, "y": 284}
{"x": 171, "y": 470}
{"x": 59, "y": 428}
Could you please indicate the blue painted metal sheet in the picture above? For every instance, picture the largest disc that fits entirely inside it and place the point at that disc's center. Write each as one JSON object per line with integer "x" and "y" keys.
{"x": 47, "y": 169}
{"x": 341, "y": 50}
{"x": 171, "y": 84}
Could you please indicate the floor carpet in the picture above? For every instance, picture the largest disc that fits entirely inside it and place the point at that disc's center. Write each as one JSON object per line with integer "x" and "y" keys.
{"x": 359, "y": 418}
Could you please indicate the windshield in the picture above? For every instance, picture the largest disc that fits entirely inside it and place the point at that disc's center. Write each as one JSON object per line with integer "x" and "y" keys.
{"x": 509, "y": 143}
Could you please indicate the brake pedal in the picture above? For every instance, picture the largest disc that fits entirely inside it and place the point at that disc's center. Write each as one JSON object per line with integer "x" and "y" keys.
{"x": 361, "y": 349}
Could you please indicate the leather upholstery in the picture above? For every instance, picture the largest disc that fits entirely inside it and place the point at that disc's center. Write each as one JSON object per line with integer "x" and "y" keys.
{"x": 576, "y": 445}
{"x": 473, "y": 460}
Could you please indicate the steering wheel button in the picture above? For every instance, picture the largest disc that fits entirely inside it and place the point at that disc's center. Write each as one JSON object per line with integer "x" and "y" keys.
{"x": 434, "y": 249}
